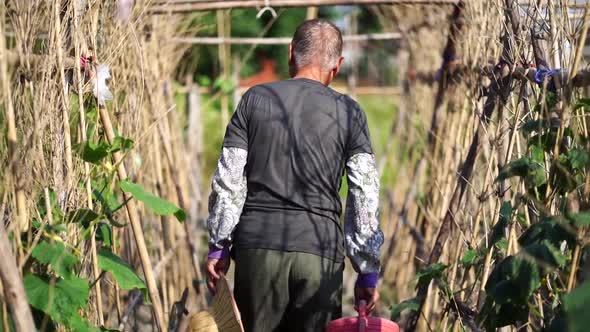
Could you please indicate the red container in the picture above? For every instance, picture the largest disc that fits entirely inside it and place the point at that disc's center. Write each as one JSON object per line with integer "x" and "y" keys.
{"x": 362, "y": 323}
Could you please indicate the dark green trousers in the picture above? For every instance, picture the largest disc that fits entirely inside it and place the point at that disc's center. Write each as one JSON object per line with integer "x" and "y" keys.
{"x": 287, "y": 291}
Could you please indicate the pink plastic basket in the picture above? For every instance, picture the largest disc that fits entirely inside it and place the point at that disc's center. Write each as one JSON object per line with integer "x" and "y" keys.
{"x": 362, "y": 323}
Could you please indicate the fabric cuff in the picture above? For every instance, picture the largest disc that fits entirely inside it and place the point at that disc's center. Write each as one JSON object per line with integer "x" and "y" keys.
{"x": 217, "y": 253}
{"x": 367, "y": 280}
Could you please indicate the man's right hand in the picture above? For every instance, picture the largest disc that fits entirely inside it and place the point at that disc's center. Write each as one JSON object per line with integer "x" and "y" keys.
{"x": 369, "y": 295}
{"x": 215, "y": 269}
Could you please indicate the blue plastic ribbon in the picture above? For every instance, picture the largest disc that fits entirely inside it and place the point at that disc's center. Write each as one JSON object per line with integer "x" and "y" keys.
{"x": 543, "y": 74}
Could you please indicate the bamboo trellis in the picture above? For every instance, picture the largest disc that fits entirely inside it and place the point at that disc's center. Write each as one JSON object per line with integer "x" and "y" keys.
{"x": 280, "y": 40}
{"x": 192, "y": 6}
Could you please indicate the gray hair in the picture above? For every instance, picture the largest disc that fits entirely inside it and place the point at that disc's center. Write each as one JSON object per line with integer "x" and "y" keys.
{"x": 317, "y": 42}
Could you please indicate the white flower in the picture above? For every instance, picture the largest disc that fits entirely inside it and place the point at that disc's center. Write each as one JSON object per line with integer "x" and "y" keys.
{"x": 124, "y": 9}
{"x": 101, "y": 90}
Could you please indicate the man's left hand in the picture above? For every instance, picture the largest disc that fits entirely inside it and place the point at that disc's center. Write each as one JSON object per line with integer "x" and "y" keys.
{"x": 215, "y": 269}
{"x": 369, "y": 295}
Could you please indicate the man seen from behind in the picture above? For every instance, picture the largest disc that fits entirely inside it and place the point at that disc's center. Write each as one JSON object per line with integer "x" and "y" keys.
{"x": 275, "y": 200}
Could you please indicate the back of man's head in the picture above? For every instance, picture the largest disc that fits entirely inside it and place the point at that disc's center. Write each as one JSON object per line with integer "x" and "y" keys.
{"x": 317, "y": 42}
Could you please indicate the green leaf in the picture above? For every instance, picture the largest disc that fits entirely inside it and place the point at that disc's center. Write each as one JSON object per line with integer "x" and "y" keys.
{"x": 539, "y": 125}
{"x": 82, "y": 216}
{"x": 104, "y": 233}
{"x": 563, "y": 177}
{"x": 502, "y": 245}
{"x": 521, "y": 219}
{"x": 121, "y": 271}
{"x": 433, "y": 271}
{"x": 503, "y": 221}
{"x": 579, "y": 158}
{"x": 546, "y": 255}
{"x": 580, "y": 219}
{"x": 547, "y": 229}
{"x": 513, "y": 280}
{"x": 470, "y": 257}
{"x": 53, "y": 205}
{"x": 57, "y": 256}
{"x": 576, "y": 305}
{"x": 537, "y": 154}
{"x": 204, "y": 80}
{"x": 518, "y": 167}
{"x": 77, "y": 323}
{"x": 545, "y": 140}
{"x": 74, "y": 103}
{"x": 121, "y": 143}
{"x": 532, "y": 125}
{"x": 225, "y": 85}
{"x": 60, "y": 301}
{"x": 158, "y": 205}
{"x": 104, "y": 329}
{"x": 92, "y": 152}
{"x": 583, "y": 102}
{"x": 412, "y": 304}
{"x": 55, "y": 229}
{"x": 531, "y": 170}
{"x": 493, "y": 315}
{"x": 102, "y": 193}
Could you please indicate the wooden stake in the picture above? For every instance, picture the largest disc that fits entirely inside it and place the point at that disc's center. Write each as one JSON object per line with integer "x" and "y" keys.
{"x": 136, "y": 228}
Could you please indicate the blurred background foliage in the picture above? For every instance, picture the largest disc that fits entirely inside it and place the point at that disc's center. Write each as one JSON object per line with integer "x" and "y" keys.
{"x": 202, "y": 64}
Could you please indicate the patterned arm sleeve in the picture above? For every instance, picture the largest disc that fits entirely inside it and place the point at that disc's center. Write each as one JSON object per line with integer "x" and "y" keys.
{"x": 362, "y": 230}
{"x": 228, "y": 194}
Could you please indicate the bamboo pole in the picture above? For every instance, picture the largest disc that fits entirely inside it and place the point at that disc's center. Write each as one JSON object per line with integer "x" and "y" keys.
{"x": 65, "y": 100}
{"x": 5, "y": 323}
{"x": 158, "y": 270}
{"x": 83, "y": 135}
{"x": 21, "y": 207}
{"x": 14, "y": 291}
{"x": 12, "y": 286}
{"x": 312, "y": 12}
{"x": 352, "y": 38}
{"x": 224, "y": 54}
{"x": 168, "y": 150}
{"x": 352, "y": 78}
{"x": 136, "y": 227}
{"x": 232, "y": 4}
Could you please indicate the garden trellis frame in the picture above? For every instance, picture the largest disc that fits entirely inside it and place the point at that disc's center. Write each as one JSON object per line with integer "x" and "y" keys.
{"x": 517, "y": 72}
{"x": 362, "y": 38}
{"x": 185, "y": 6}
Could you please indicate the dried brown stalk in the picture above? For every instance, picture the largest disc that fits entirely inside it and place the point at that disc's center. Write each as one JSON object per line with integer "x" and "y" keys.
{"x": 133, "y": 214}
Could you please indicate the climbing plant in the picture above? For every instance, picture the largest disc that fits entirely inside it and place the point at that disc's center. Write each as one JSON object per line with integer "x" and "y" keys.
{"x": 56, "y": 286}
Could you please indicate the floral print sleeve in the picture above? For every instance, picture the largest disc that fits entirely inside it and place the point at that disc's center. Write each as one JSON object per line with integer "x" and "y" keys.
{"x": 362, "y": 230}
{"x": 228, "y": 194}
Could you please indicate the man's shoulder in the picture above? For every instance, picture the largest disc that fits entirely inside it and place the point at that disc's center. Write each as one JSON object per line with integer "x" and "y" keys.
{"x": 277, "y": 89}
{"x": 349, "y": 101}
{"x": 269, "y": 88}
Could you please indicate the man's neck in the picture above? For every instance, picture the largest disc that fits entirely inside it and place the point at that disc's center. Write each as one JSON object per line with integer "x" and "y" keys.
{"x": 313, "y": 73}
